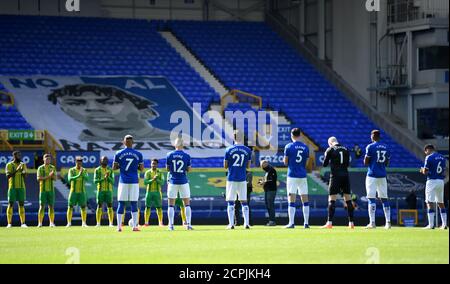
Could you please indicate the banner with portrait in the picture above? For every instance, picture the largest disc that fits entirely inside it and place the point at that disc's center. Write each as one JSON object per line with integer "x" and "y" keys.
{"x": 95, "y": 113}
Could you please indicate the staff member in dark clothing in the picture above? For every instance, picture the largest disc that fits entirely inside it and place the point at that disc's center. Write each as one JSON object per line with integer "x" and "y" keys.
{"x": 238, "y": 207}
{"x": 270, "y": 190}
{"x": 338, "y": 157}
{"x": 411, "y": 200}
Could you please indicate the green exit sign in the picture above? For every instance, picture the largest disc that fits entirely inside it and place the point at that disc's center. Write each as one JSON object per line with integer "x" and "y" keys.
{"x": 21, "y": 135}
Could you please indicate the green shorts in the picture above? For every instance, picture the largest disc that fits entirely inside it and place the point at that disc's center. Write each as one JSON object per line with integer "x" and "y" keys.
{"x": 16, "y": 195}
{"x": 47, "y": 198}
{"x": 153, "y": 199}
{"x": 77, "y": 199}
{"x": 104, "y": 197}
{"x": 179, "y": 202}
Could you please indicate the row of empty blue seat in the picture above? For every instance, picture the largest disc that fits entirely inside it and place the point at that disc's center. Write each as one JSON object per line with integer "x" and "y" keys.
{"x": 253, "y": 58}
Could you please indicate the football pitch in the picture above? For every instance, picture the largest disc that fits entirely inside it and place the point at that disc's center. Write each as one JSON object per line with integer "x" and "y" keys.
{"x": 215, "y": 245}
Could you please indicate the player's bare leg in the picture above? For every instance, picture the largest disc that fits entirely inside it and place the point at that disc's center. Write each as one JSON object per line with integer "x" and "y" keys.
{"x": 291, "y": 211}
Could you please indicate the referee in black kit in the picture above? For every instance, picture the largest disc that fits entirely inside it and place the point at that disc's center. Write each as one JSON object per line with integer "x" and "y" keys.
{"x": 338, "y": 157}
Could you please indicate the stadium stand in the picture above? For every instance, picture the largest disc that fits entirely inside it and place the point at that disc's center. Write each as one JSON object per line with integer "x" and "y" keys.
{"x": 66, "y": 46}
{"x": 10, "y": 117}
{"x": 233, "y": 51}
{"x": 238, "y": 54}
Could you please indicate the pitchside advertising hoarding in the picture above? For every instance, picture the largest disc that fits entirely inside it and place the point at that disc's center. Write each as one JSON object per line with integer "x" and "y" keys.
{"x": 27, "y": 158}
{"x": 66, "y": 159}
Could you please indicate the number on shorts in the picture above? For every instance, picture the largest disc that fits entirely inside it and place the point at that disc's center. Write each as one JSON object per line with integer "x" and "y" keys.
{"x": 381, "y": 156}
{"x": 238, "y": 160}
{"x": 178, "y": 166}
{"x": 130, "y": 161}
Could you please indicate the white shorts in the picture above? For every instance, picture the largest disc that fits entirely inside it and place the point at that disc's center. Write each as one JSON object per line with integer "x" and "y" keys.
{"x": 128, "y": 192}
{"x": 376, "y": 185}
{"x": 236, "y": 189}
{"x": 297, "y": 186}
{"x": 174, "y": 189}
{"x": 434, "y": 191}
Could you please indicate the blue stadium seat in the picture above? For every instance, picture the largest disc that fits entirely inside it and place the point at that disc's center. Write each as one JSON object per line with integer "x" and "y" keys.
{"x": 238, "y": 53}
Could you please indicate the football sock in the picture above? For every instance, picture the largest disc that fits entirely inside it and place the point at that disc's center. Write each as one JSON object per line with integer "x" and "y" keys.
{"x": 444, "y": 217}
{"x": 230, "y": 211}
{"x": 291, "y": 213}
{"x": 387, "y": 211}
{"x": 245, "y": 211}
{"x": 188, "y": 214}
{"x": 306, "y": 213}
{"x": 350, "y": 211}
{"x": 431, "y": 216}
{"x": 372, "y": 210}
{"x": 170, "y": 214}
{"x": 331, "y": 210}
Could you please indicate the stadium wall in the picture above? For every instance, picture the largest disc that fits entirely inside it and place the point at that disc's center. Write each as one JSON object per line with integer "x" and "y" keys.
{"x": 221, "y": 10}
{"x": 88, "y": 8}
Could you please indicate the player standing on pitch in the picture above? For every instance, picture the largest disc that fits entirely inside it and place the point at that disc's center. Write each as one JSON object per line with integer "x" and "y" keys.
{"x": 16, "y": 171}
{"x": 338, "y": 158}
{"x": 237, "y": 162}
{"x": 104, "y": 179}
{"x": 154, "y": 180}
{"x": 46, "y": 175}
{"x": 178, "y": 164}
{"x": 296, "y": 155}
{"x": 129, "y": 162}
{"x": 434, "y": 169}
{"x": 77, "y": 196}
{"x": 377, "y": 159}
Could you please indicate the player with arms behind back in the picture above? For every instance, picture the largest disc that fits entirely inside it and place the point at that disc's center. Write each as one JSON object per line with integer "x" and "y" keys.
{"x": 377, "y": 159}
{"x": 129, "y": 162}
{"x": 237, "y": 161}
{"x": 178, "y": 164}
{"x": 434, "y": 168}
{"x": 296, "y": 155}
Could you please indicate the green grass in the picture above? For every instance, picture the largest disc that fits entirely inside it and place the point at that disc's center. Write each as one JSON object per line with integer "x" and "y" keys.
{"x": 214, "y": 245}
